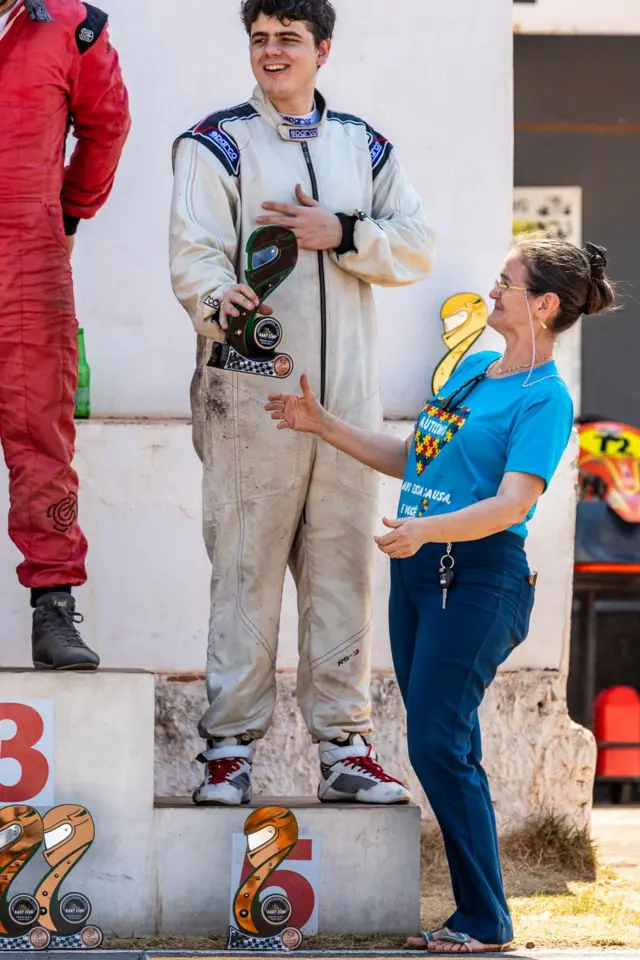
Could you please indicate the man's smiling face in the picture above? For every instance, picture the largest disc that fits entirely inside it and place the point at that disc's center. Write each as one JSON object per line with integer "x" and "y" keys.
{"x": 285, "y": 59}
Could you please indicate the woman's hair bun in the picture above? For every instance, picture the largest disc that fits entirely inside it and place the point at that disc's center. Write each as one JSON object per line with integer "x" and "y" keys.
{"x": 601, "y": 294}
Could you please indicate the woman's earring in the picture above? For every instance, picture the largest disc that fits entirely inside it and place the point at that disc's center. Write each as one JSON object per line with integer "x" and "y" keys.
{"x": 542, "y": 323}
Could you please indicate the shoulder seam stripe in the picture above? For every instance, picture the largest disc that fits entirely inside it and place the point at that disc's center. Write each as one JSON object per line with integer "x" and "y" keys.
{"x": 380, "y": 149}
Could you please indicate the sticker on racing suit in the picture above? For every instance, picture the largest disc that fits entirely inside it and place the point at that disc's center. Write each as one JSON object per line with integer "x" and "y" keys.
{"x": 251, "y": 338}
{"x": 91, "y": 27}
{"x": 64, "y": 513}
{"x": 304, "y": 133}
{"x": 211, "y": 134}
{"x": 212, "y": 302}
{"x": 349, "y": 656}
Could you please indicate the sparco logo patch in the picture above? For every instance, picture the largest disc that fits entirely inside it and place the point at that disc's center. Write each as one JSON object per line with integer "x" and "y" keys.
{"x": 303, "y": 134}
{"x": 224, "y": 143}
{"x": 375, "y": 149}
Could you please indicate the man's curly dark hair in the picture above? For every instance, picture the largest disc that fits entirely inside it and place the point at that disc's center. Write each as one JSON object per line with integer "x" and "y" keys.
{"x": 319, "y": 14}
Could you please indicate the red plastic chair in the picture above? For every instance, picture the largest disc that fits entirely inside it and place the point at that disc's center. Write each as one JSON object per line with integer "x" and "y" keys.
{"x": 617, "y": 730}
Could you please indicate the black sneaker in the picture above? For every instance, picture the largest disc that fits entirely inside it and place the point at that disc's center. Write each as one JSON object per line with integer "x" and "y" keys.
{"x": 55, "y": 642}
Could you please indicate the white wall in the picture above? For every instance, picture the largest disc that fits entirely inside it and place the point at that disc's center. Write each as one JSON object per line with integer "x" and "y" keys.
{"x": 407, "y": 68}
{"x": 577, "y": 16}
{"x": 418, "y": 77}
{"x": 146, "y": 602}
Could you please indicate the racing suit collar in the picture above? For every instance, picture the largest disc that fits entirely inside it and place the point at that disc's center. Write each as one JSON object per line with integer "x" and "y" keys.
{"x": 289, "y": 131}
{"x": 37, "y": 11}
{"x": 10, "y": 17}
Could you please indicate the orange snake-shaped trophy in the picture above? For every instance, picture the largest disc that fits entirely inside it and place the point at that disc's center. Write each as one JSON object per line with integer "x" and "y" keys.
{"x": 21, "y": 833}
{"x": 68, "y": 833}
{"x": 272, "y": 833}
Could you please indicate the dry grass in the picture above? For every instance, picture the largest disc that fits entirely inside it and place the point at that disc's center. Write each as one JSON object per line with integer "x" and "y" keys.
{"x": 559, "y": 897}
{"x": 558, "y": 894}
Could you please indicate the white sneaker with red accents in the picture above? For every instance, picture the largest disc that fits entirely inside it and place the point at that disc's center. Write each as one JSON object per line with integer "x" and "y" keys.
{"x": 227, "y": 778}
{"x": 350, "y": 773}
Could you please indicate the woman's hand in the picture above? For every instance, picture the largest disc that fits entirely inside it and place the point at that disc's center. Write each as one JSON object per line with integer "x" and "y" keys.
{"x": 304, "y": 413}
{"x": 405, "y": 539}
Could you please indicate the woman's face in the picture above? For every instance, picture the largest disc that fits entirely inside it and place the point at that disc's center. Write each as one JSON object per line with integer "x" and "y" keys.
{"x": 510, "y": 312}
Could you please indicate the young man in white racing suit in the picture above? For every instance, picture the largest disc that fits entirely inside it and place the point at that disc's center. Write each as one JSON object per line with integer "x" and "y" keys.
{"x": 272, "y": 501}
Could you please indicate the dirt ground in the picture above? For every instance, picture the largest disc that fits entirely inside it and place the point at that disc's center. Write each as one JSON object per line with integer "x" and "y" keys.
{"x": 616, "y": 833}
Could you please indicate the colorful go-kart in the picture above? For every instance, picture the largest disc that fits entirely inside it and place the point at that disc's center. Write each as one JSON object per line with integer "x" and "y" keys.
{"x": 608, "y": 518}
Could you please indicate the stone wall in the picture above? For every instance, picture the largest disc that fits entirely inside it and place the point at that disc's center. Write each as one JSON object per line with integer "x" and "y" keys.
{"x": 538, "y": 761}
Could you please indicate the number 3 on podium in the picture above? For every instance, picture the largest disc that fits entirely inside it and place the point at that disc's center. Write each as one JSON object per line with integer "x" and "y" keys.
{"x": 26, "y": 752}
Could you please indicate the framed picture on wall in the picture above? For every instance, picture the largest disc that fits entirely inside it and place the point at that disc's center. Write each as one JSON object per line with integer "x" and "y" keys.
{"x": 549, "y": 211}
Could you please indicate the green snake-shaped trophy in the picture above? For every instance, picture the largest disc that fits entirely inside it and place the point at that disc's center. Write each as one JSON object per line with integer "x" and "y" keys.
{"x": 252, "y": 338}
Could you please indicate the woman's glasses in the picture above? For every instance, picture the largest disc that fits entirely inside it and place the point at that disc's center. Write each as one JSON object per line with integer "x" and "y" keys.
{"x": 502, "y": 286}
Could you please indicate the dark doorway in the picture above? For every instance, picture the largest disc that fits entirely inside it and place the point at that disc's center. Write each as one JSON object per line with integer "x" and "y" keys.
{"x": 577, "y": 114}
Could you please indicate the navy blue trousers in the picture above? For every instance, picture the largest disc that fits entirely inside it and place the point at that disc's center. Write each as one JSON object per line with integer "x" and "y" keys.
{"x": 444, "y": 661}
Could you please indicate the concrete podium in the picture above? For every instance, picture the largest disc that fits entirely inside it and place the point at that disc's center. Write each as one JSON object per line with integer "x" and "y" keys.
{"x": 370, "y": 867}
{"x": 162, "y": 867}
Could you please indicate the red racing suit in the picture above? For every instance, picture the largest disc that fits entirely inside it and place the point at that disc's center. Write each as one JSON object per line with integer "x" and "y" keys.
{"x": 53, "y": 77}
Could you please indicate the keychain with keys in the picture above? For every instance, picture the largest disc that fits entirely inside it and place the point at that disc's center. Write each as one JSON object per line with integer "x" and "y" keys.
{"x": 446, "y": 574}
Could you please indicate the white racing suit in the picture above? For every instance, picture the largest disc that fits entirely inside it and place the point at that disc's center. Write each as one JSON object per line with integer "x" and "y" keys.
{"x": 276, "y": 498}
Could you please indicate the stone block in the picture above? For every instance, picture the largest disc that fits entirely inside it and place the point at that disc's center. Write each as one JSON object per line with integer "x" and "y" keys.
{"x": 538, "y": 761}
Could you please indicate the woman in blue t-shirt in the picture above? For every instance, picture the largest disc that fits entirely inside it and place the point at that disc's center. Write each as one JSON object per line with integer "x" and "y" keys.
{"x": 481, "y": 454}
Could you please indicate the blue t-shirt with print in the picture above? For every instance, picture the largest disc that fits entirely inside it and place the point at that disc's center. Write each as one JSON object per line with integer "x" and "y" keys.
{"x": 460, "y": 457}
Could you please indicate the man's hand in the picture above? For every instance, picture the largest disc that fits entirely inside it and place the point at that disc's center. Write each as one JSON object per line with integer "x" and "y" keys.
{"x": 406, "y": 538}
{"x": 70, "y": 244}
{"x": 315, "y": 227}
{"x": 239, "y": 296}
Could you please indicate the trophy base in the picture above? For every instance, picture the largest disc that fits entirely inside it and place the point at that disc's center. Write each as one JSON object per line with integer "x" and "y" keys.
{"x": 38, "y": 938}
{"x": 285, "y": 942}
{"x": 88, "y": 938}
{"x": 225, "y": 357}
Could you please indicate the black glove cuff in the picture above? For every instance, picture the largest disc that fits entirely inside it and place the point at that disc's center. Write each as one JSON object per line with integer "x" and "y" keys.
{"x": 348, "y": 243}
{"x": 70, "y": 224}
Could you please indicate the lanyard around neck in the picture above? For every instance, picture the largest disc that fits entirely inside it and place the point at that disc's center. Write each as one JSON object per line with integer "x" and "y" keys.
{"x": 463, "y": 391}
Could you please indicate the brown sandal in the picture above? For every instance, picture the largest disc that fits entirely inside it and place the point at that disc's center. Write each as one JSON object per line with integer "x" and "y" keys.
{"x": 463, "y": 940}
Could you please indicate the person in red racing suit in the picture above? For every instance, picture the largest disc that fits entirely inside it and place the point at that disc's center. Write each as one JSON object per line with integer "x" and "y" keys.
{"x": 57, "y": 70}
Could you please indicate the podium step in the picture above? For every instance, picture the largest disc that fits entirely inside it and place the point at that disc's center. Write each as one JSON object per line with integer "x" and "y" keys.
{"x": 95, "y": 732}
{"x": 369, "y": 879}
{"x": 170, "y": 868}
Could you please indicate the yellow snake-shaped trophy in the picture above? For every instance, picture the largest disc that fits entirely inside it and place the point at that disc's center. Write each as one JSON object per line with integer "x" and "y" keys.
{"x": 464, "y": 318}
{"x": 272, "y": 833}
